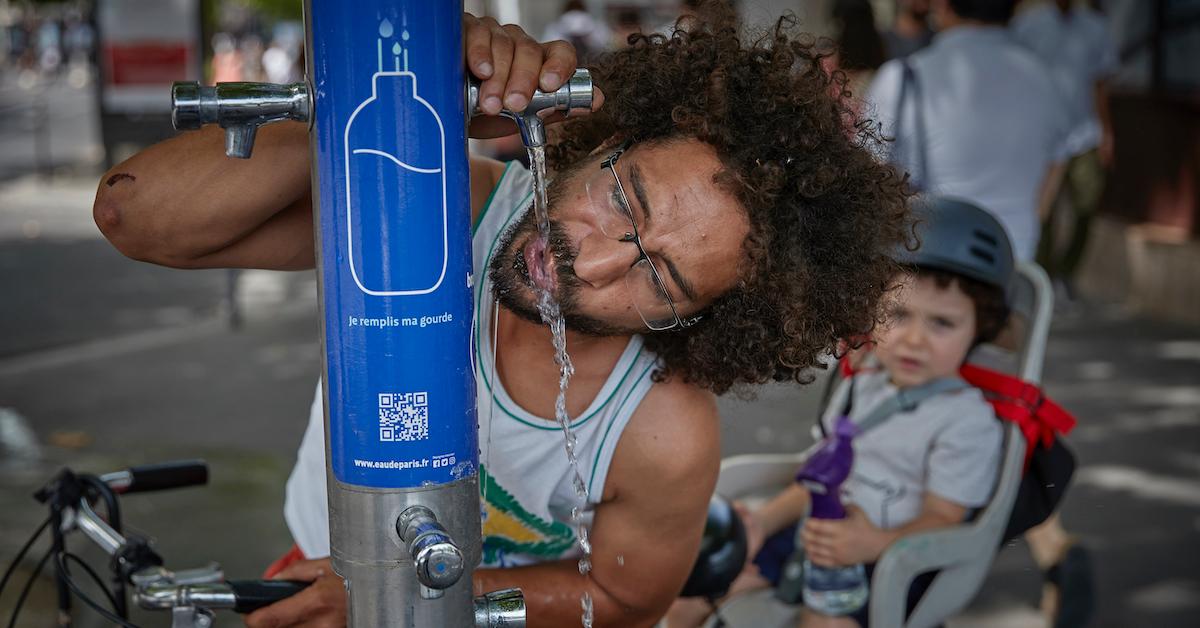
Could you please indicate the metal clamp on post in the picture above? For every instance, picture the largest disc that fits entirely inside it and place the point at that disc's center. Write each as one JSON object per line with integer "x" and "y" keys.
{"x": 239, "y": 108}
{"x": 574, "y": 95}
{"x": 438, "y": 561}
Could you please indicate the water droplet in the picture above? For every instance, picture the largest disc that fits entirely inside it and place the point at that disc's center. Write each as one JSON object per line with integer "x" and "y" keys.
{"x": 396, "y": 49}
{"x": 404, "y": 35}
{"x": 385, "y": 28}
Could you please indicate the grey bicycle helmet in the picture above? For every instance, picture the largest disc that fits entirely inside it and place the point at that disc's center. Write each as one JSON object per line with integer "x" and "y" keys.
{"x": 960, "y": 237}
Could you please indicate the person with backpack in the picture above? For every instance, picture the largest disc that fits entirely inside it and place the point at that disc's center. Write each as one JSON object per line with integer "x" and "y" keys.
{"x": 977, "y": 116}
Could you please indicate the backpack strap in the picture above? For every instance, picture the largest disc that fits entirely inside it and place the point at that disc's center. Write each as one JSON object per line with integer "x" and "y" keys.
{"x": 1039, "y": 417}
{"x": 910, "y": 82}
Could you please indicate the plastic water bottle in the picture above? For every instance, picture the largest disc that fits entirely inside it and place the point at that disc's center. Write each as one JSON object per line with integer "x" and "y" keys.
{"x": 832, "y": 591}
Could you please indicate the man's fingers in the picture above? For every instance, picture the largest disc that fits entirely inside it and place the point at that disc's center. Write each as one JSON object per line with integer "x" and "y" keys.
{"x": 558, "y": 66}
{"x": 306, "y": 570}
{"x": 526, "y": 67}
{"x": 597, "y": 98}
{"x": 309, "y": 607}
{"x": 286, "y": 612}
{"x": 491, "y": 92}
{"x": 478, "y": 44}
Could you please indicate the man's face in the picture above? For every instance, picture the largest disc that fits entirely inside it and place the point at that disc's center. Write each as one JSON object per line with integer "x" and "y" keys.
{"x": 918, "y": 8}
{"x": 692, "y": 230}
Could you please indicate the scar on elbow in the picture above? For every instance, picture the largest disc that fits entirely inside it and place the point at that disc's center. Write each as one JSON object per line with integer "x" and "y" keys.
{"x": 119, "y": 177}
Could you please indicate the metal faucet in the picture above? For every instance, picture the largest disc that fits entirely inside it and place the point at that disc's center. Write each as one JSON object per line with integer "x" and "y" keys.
{"x": 437, "y": 559}
{"x": 240, "y": 108}
{"x": 575, "y": 94}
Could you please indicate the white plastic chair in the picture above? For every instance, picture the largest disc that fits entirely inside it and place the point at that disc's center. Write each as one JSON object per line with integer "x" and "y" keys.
{"x": 962, "y": 554}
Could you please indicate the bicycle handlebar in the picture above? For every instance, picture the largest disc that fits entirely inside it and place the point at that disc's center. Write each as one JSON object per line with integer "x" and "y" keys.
{"x": 240, "y": 596}
{"x": 157, "y": 477}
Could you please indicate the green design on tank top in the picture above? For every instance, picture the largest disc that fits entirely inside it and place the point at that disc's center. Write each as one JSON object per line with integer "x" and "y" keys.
{"x": 510, "y": 529}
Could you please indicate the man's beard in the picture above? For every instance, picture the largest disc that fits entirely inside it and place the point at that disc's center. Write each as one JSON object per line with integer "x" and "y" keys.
{"x": 511, "y": 283}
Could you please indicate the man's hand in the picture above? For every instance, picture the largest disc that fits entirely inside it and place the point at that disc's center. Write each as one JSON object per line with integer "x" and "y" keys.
{"x": 849, "y": 541}
{"x": 321, "y": 605}
{"x": 512, "y": 65}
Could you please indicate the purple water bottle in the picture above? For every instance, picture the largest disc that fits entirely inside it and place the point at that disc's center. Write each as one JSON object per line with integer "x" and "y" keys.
{"x": 842, "y": 590}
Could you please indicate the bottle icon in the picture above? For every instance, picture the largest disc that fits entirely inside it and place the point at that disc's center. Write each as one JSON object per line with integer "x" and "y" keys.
{"x": 832, "y": 591}
{"x": 396, "y": 211}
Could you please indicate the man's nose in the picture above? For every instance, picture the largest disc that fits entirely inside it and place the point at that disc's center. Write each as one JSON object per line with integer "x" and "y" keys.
{"x": 603, "y": 260}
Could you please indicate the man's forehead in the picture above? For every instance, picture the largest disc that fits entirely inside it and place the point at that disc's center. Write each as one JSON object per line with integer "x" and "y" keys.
{"x": 678, "y": 174}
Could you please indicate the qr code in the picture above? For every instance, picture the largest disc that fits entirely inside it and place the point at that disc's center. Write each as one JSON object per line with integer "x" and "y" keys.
{"x": 403, "y": 416}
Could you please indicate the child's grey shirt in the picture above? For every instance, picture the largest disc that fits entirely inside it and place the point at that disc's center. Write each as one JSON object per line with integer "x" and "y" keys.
{"x": 949, "y": 445}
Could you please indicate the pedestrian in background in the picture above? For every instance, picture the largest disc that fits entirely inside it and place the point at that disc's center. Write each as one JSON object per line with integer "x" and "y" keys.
{"x": 581, "y": 29}
{"x": 910, "y": 31}
{"x": 1074, "y": 43}
{"x": 975, "y": 116}
{"x": 859, "y": 45}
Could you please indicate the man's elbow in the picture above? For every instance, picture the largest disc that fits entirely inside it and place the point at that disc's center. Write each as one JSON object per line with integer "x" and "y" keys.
{"x": 616, "y": 608}
{"x": 109, "y": 214}
{"x": 131, "y": 232}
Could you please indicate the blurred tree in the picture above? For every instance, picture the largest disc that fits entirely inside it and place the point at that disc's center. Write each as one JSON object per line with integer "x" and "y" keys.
{"x": 282, "y": 9}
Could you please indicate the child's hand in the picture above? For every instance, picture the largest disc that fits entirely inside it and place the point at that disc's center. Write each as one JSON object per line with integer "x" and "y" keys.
{"x": 849, "y": 541}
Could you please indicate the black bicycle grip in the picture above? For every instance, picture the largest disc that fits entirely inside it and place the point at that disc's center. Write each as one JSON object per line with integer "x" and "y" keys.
{"x": 165, "y": 475}
{"x": 251, "y": 595}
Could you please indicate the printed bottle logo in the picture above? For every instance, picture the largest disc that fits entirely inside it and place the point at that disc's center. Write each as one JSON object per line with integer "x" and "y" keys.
{"x": 396, "y": 210}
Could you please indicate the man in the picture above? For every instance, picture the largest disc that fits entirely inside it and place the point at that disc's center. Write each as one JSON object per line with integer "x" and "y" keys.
{"x": 977, "y": 117}
{"x": 910, "y": 31}
{"x": 712, "y": 225}
{"x": 1073, "y": 41}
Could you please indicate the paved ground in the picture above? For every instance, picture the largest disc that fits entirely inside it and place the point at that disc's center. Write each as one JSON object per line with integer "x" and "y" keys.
{"x": 113, "y": 362}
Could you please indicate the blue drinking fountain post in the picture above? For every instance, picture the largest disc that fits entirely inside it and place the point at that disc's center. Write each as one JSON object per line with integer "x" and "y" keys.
{"x": 387, "y": 105}
{"x": 390, "y": 172}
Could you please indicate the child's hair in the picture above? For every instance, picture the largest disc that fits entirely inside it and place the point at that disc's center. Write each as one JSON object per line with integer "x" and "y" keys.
{"x": 991, "y": 308}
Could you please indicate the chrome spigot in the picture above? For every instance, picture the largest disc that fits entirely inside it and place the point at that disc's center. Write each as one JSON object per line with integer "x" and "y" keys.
{"x": 239, "y": 108}
{"x": 438, "y": 561}
{"x": 500, "y": 609}
{"x": 574, "y": 95}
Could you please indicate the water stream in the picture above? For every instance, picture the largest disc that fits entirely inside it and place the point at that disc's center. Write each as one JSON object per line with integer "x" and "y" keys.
{"x": 552, "y": 316}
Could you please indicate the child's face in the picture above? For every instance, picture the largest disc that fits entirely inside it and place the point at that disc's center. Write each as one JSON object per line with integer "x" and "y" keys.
{"x": 928, "y": 331}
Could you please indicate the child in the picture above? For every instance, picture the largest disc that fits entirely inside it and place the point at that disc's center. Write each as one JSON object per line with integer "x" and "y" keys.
{"x": 918, "y": 470}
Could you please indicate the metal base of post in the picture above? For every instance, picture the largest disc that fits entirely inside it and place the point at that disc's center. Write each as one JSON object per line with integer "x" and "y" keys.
{"x": 366, "y": 520}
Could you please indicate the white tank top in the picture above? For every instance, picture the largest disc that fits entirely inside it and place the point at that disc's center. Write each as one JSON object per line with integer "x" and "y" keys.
{"x": 524, "y": 477}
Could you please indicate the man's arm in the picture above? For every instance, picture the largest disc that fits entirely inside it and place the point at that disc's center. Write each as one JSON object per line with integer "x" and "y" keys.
{"x": 646, "y": 533}
{"x": 183, "y": 203}
{"x": 1052, "y": 182}
{"x": 1107, "y": 145}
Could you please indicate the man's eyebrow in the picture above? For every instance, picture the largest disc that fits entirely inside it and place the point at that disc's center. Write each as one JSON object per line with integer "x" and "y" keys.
{"x": 639, "y": 190}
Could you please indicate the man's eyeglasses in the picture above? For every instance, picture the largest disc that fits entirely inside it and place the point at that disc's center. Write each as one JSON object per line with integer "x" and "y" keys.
{"x": 615, "y": 217}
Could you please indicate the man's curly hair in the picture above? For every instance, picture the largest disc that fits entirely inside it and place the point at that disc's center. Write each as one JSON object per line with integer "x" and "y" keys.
{"x": 824, "y": 212}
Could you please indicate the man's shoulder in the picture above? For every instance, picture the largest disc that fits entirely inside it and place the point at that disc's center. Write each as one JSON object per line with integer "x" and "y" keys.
{"x": 673, "y": 435}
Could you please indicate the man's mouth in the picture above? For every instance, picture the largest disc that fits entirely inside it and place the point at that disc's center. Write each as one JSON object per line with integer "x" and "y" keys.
{"x": 538, "y": 264}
